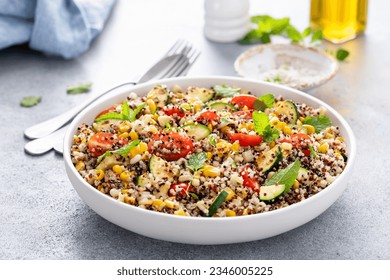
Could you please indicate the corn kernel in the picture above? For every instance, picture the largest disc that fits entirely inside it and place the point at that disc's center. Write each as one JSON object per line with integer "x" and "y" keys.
{"x": 180, "y": 212}
{"x": 133, "y": 135}
{"x": 210, "y": 171}
{"x": 123, "y": 135}
{"x": 117, "y": 169}
{"x": 278, "y": 124}
{"x": 170, "y": 204}
{"x": 323, "y": 148}
{"x": 124, "y": 191}
{"x": 155, "y": 117}
{"x": 99, "y": 174}
{"x": 299, "y": 123}
{"x": 158, "y": 204}
{"x": 124, "y": 127}
{"x": 210, "y": 126}
{"x": 301, "y": 119}
{"x": 248, "y": 126}
{"x": 76, "y": 139}
{"x": 165, "y": 188}
{"x": 296, "y": 185}
{"x": 209, "y": 155}
{"x": 341, "y": 139}
{"x": 186, "y": 106}
{"x": 80, "y": 165}
{"x": 235, "y": 146}
{"x": 179, "y": 96}
{"x": 329, "y": 136}
{"x": 153, "y": 129}
{"x": 143, "y": 147}
{"x": 337, "y": 152}
{"x": 310, "y": 129}
{"x": 272, "y": 144}
{"x": 84, "y": 140}
{"x": 287, "y": 130}
{"x": 152, "y": 105}
{"x": 129, "y": 200}
{"x": 245, "y": 108}
{"x": 230, "y": 192}
{"x": 225, "y": 129}
{"x": 125, "y": 175}
{"x": 223, "y": 147}
{"x": 196, "y": 108}
{"x": 245, "y": 212}
{"x": 230, "y": 213}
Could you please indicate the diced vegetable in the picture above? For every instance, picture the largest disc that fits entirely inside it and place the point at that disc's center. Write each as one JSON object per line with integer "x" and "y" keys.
{"x": 219, "y": 200}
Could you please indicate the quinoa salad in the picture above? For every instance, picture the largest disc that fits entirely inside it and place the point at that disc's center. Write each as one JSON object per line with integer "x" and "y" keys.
{"x": 209, "y": 152}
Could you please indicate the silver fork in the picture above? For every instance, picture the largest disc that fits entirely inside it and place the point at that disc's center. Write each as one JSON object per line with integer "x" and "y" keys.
{"x": 172, "y": 64}
{"x": 55, "y": 140}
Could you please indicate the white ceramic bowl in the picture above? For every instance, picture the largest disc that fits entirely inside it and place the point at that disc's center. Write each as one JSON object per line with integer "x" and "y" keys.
{"x": 200, "y": 230}
{"x": 295, "y": 66}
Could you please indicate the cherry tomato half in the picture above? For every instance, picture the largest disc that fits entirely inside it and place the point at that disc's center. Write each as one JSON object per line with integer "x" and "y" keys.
{"x": 106, "y": 111}
{"x": 208, "y": 116}
{"x": 247, "y": 115}
{"x": 170, "y": 145}
{"x": 101, "y": 142}
{"x": 181, "y": 189}
{"x": 249, "y": 181}
{"x": 244, "y": 100}
{"x": 298, "y": 140}
{"x": 173, "y": 111}
{"x": 245, "y": 139}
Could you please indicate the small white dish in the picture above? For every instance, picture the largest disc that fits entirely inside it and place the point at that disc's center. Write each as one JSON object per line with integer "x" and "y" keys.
{"x": 201, "y": 230}
{"x": 294, "y": 66}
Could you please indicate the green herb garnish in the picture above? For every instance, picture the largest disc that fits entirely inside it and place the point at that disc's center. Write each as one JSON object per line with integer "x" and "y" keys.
{"x": 30, "y": 101}
{"x": 263, "y": 127}
{"x": 226, "y": 91}
{"x": 266, "y": 26}
{"x": 79, "y": 88}
{"x": 264, "y": 102}
{"x": 124, "y": 151}
{"x": 285, "y": 176}
{"x": 126, "y": 115}
{"x": 312, "y": 152}
{"x": 319, "y": 123}
{"x": 220, "y": 199}
{"x": 194, "y": 195}
{"x": 342, "y": 54}
{"x": 197, "y": 161}
{"x": 212, "y": 140}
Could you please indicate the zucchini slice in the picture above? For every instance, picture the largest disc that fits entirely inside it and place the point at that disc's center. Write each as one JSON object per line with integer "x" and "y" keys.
{"x": 219, "y": 200}
{"x": 203, "y": 94}
{"x": 222, "y": 106}
{"x": 199, "y": 131}
{"x": 159, "y": 94}
{"x": 269, "y": 159}
{"x": 271, "y": 192}
{"x": 287, "y": 109}
{"x": 106, "y": 125}
{"x": 160, "y": 168}
{"x": 143, "y": 180}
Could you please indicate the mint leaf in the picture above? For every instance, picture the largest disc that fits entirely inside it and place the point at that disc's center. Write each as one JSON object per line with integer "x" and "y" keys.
{"x": 268, "y": 99}
{"x": 259, "y": 105}
{"x": 194, "y": 195}
{"x": 319, "y": 123}
{"x": 285, "y": 176}
{"x": 212, "y": 140}
{"x": 30, "y": 101}
{"x": 79, "y": 88}
{"x": 270, "y": 134}
{"x": 109, "y": 116}
{"x": 293, "y": 34}
{"x": 306, "y": 32}
{"x": 312, "y": 152}
{"x": 342, "y": 54}
{"x": 124, "y": 151}
{"x": 125, "y": 110}
{"x": 197, "y": 161}
{"x": 261, "y": 121}
{"x": 226, "y": 91}
{"x": 316, "y": 36}
{"x": 133, "y": 114}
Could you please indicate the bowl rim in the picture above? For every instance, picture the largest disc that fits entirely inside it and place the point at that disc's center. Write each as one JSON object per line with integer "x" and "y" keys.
{"x": 256, "y": 49}
{"x": 107, "y": 199}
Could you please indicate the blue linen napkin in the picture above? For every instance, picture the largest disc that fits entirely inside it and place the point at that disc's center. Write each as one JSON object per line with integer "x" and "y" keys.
{"x": 55, "y": 27}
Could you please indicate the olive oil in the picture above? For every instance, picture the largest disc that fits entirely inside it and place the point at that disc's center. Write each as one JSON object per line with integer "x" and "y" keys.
{"x": 340, "y": 20}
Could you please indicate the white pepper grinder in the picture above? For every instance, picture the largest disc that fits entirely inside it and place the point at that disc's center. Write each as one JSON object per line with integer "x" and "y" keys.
{"x": 226, "y": 20}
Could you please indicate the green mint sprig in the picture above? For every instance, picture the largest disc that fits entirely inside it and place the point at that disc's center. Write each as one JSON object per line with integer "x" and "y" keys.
{"x": 79, "y": 88}
{"x": 264, "y": 102}
{"x": 263, "y": 127}
{"x": 197, "y": 161}
{"x": 126, "y": 115}
{"x": 286, "y": 176}
{"x": 226, "y": 91}
{"x": 124, "y": 151}
{"x": 319, "y": 122}
{"x": 30, "y": 101}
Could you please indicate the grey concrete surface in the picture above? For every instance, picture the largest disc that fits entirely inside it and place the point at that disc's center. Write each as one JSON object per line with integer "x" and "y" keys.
{"x": 42, "y": 217}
